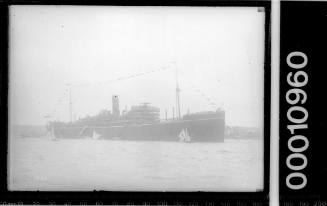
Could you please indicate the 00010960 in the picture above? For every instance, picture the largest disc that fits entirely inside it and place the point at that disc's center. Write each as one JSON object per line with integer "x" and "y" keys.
{"x": 298, "y": 116}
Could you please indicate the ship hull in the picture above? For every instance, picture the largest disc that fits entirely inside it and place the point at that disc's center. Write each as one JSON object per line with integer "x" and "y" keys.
{"x": 199, "y": 130}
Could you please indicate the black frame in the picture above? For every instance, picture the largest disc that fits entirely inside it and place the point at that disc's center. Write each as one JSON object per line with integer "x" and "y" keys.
{"x": 132, "y": 198}
{"x": 302, "y": 29}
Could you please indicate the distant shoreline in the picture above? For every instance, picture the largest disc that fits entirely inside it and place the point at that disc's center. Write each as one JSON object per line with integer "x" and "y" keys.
{"x": 231, "y": 132}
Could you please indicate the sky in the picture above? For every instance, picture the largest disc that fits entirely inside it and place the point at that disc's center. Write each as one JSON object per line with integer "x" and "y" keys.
{"x": 135, "y": 53}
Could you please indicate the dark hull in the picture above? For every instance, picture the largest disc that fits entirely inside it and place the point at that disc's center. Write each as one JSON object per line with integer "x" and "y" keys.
{"x": 200, "y": 130}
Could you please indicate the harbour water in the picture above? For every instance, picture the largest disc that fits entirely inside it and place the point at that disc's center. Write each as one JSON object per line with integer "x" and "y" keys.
{"x": 87, "y": 164}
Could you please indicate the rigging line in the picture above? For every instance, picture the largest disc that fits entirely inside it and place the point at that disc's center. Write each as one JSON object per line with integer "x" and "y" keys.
{"x": 54, "y": 112}
{"x": 58, "y": 103}
{"x": 120, "y": 78}
{"x": 209, "y": 101}
{"x": 198, "y": 90}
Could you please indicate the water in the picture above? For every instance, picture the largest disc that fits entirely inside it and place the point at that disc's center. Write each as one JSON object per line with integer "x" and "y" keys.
{"x": 85, "y": 164}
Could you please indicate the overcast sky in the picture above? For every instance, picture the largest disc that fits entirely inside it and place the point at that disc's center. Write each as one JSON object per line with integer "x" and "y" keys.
{"x": 218, "y": 52}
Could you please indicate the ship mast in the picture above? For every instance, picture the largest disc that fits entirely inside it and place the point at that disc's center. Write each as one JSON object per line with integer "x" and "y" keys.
{"x": 70, "y": 103}
{"x": 178, "y": 109}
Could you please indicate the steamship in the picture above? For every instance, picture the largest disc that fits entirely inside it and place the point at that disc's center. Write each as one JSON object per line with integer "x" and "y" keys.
{"x": 142, "y": 122}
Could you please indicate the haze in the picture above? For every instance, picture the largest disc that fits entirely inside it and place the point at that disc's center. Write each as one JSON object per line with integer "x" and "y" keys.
{"x": 218, "y": 52}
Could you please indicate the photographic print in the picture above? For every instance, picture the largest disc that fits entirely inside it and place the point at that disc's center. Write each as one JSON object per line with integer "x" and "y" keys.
{"x": 123, "y": 98}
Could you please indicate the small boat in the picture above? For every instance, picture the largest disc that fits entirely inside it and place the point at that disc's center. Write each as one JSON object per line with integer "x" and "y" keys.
{"x": 95, "y": 135}
{"x": 52, "y": 135}
{"x": 184, "y": 136}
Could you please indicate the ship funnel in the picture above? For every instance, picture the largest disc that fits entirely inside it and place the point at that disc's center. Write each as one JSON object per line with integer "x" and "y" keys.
{"x": 115, "y": 106}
